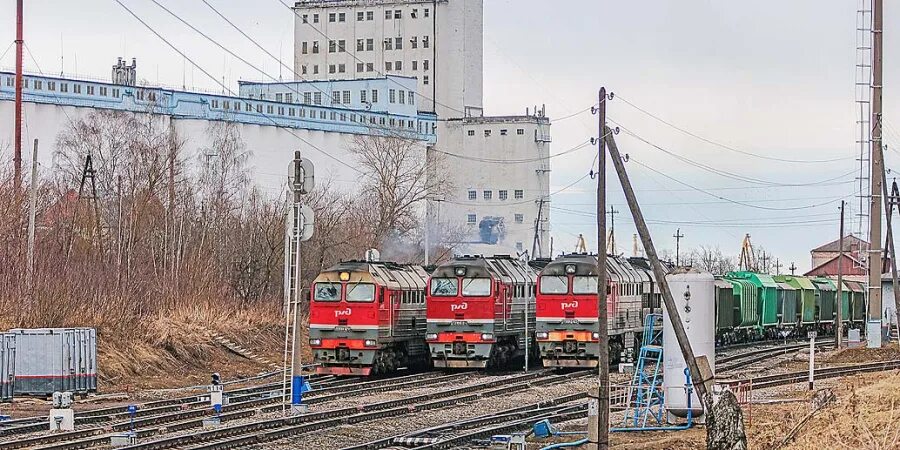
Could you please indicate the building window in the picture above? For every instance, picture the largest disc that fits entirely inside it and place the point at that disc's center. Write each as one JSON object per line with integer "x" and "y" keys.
{"x": 51, "y": 85}
{"x": 426, "y": 12}
{"x": 342, "y": 45}
{"x": 333, "y": 115}
{"x": 415, "y": 65}
{"x": 370, "y": 15}
{"x": 332, "y": 46}
{"x": 315, "y": 46}
{"x": 346, "y": 97}
{"x": 519, "y": 194}
{"x": 392, "y": 96}
{"x": 332, "y": 17}
{"x": 402, "y": 99}
{"x": 278, "y": 97}
{"x": 270, "y": 109}
{"x": 398, "y": 65}
{"x": 342, "y": 17}
{"x": 38, "y": 85}
{"x": 473, "y": 195}
{"x": 398, "y": 43}
{"x": 412, "y": 97}
{"x": 360, "y": 16}
{"x": 388, "y": 44}
{"x": 315, "y": 18}
{"x": 520, "y": 131}
{"x": 370, "y": 45}
{"x": 388, "y": 14}
{"x": 315, "y": 69}
{"x": 425, "y": 65}
{"x": 398, "y": 14}
{"x": 502, "y": 194}
{"x": 306, "y": 18}
{"x": 487, "y": 133}
{"x": 335, "y": 97}
{"x": 322, "y": 115}
{"x": 307, "y": 98}
{"x": 342, "y": 68}
{"x": 414, "y": 13}
{"x": 414, "y": 41}
{"x": 288, "y": 98}
{"x": 519, "y": 246}
{"x": 360, "y": 67}
{"x": 281, "y": 110}
{"x": 115, "y": 92}
{"x": 362, "y": 96}
{"x": 425, "y": 42}
{"x": 90, "y": 89}
{"x": 317, "y": 98}
{"x": 102, "y": 89}
{"x": 488, "y": 195}
{"x": 470, "y": 218}
{"x": 292, "y": 112}
{"x": 248, "y": 107}
{"x": 64, "y": 87}
{"x": 519, "y": 218}
{"x": 425, "y": 79}
{"x": 503, "y": 132}
{"x": 360, "y": 45}
{"x": 374, "y": 95}
{"x": 304, "y": 47}
{"x": 76, "y": 88}
{"x": 388, "y": 66}
{"x": 471, "y": 132}
{"x": 370, "y": 67}
{"x": 332, "y": 68}
{"x": 303, "y": 69}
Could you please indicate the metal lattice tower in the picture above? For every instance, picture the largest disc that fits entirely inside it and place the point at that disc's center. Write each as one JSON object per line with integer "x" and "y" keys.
{"x": 863, "y": 89}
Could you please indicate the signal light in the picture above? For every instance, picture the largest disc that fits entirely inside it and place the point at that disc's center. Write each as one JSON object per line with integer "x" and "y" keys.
{"x": 216, "y": 379}
{"x": 345, "y": 276}
{"x": 570, "y": 269}
{"x": 460, "y": 271}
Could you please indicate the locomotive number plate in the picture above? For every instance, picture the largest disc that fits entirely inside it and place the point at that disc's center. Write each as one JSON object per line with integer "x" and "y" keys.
{"x": 342, "y": 329}
{"x": 570, "y": 321}
{"x": 459, "y": 322}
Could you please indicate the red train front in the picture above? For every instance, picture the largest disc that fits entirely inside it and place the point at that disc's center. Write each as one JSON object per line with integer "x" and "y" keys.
{"x": 367, "y": 318}
{"x": 479, "y": 311}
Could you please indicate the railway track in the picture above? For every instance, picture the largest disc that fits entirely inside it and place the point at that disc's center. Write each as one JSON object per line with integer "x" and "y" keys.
{"x": 784, "y": 379}
{"x": 191, "y": 415}
{"x": 474, "y": 428}
{"x": 744, "y": 359}
{"x": 243, "y": 435}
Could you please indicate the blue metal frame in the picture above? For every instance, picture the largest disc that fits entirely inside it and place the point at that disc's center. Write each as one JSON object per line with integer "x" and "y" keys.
{"x": 645, "y": 396}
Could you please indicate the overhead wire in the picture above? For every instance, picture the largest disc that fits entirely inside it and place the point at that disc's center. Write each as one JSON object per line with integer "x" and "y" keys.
{"x": 727, "y": 147}
{"x": 222, "y": 85}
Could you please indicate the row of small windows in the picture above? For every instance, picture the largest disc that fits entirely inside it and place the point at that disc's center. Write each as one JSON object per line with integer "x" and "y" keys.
{"x": 472, "y": 218}
{"x": 64, "y": 87}
{"x": 502, "y": 194}
{"x": 363, "y": 45}
{"x": 503, "y": 132}
{"x": 337, "y": 97}
{"x": 361, "y": 16}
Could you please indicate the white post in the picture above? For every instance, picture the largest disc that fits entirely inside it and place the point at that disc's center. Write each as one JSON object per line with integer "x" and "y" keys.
{"x": 812, "y": 357}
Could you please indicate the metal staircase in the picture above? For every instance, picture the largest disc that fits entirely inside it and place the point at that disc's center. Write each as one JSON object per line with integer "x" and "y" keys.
{"x": 645, "y": 396}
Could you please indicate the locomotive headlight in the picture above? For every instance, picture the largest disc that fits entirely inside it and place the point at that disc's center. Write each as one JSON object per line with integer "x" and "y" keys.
{"x": 460, "y": 271}
{"x": 543, "y": 335}
{"x": 370, "y": 343}
{"x": 315, "y": 342}
{"x": 487, "y": 336}
{"x": 570, "y": 269}
{"x": 595, "y": 336}
{"x": 431, "y": 337}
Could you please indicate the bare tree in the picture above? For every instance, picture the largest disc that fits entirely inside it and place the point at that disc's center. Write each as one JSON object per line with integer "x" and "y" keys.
{"x": 711, "y": 259}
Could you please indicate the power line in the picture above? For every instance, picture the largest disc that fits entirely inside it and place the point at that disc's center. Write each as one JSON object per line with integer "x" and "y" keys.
{"x": 588, "y": 213}
{"x": 721, "y": 172}
{"x": 215, "y": 80}
{"x": 514, "y": 161}
{"x": 736, "y": 202}
{"x": 727, "y": 147}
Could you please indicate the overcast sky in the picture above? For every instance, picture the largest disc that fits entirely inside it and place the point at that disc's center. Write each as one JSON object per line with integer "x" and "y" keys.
{"x": 768, "y": 77}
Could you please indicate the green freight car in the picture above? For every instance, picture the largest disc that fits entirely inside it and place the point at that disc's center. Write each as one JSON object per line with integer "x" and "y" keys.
{"x": 766, "y": 296}
{"x": 788, "y": 307}
{"x": 807, "y": 297}
{"x": 826, "y": 299}
{"x": 857, "y": 301}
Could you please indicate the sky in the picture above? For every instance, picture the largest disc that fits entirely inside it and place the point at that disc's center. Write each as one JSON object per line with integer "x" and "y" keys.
{"x": 768, "y": 78}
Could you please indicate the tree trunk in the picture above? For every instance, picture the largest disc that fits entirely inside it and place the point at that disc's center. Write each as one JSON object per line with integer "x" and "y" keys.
{"x": 725, "y": 425}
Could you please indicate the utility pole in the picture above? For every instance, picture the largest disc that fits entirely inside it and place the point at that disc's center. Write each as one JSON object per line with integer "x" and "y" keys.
{"x": 301, "y": 221}
{"x": 611, "y": 242}
{"x": 874, "y": 313}
{"x": 701, "y": 374}
{"x": 765, "y": 262}
{"x": 838, "y": 318}
{"x": 678, "y": 237}
{"x": 889, "y": 202}
{"x": 777, "y": 266}
{"x": 20, "y": 42}
{"x": 793, "y": 268}
{"x": 598, "y": 418}
{"x": 32, "y": 213}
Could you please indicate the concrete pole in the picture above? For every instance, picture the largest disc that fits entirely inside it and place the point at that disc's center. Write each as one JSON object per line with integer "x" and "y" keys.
{"x": 32, "y": 213}
{"x": 17, "y": 157}
{"x": 838, "y": 318}
{"x": 701, "y": 374}
{"x": 873, "y": 325}
{"x": 599, "y": 430}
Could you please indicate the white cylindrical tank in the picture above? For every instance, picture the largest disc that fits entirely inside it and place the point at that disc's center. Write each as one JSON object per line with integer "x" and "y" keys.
{"x": 694, "y": 295}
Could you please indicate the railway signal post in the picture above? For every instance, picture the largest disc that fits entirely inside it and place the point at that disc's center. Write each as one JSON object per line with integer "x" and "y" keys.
{"x": 300, "y": 221}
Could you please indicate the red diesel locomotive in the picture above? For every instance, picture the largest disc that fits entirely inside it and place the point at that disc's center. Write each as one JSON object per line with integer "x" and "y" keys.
{"x": 567, "y": 324}
{"x": 479, "y": 311}
{"x": 368, "y": 318}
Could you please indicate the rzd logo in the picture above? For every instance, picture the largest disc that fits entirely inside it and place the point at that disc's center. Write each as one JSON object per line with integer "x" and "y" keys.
{"x": 573, "y": 305}
{"x": 343, "y": 312}
{"x": 459, "y": 307}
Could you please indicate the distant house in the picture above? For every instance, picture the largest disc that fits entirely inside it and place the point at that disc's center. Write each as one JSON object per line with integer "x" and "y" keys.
{"x": 825, "y": 258}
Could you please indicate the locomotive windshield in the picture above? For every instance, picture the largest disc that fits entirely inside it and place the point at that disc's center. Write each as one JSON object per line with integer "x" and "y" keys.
{"x": 476, "y": 287}
{"x": 584, "y": 285}
{"x": 444, "y": 287}
{"x": 551, "y": 284}
{"x": 328, "y": 292}
{"x": 360, "y": 292}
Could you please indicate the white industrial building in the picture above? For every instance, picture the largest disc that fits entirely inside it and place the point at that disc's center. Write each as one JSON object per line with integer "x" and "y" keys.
{"x": 499, "y": 198}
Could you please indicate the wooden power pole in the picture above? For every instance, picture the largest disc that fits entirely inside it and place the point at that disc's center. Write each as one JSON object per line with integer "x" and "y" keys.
{"x": 598, "y": 432}
{"x": 701, "y": 375}
{"x": 873, "y": 316}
